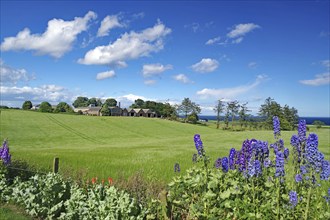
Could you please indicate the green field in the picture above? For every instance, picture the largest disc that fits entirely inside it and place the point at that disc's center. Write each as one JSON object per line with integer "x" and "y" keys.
{"x": 120, "y": 146}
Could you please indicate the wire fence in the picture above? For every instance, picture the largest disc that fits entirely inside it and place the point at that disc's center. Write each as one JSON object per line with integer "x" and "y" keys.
{"x": 24, "y": 171}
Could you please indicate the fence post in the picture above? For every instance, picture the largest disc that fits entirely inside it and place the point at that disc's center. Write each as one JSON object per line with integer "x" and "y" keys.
{"x": 55, "y": 164}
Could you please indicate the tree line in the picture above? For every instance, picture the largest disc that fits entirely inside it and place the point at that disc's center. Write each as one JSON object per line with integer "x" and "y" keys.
{"x": 227, "y": 111}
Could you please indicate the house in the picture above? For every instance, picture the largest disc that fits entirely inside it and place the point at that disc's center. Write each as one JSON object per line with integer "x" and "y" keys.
{"x": 116, "y": 111}
{"x": 148, "y": 113}
{"x": 124, "y": 112}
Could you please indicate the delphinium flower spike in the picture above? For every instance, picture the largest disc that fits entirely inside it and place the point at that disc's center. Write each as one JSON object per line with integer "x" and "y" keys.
{"x": 276, "y": 125}
{"x": 293, "y": 198}
{"x": 198, "y": 144}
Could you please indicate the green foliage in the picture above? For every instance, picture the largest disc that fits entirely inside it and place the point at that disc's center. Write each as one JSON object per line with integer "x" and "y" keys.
{"x": 27, "y": 105}
{"x": 318, "y": 123}
{"x": 105, "y": 111}
{"x": 187, "y": 106}
{"x": 80, "y": 102}
{"x": 219, "y": 109}
{"x": 95, "y": 102}
{"x": 63, "y": 107}
{"x": 111, "y": 102}
{"x": 192, "y": 118}
{"x": 288, "y": 116}
{"x": 45, "y": 107}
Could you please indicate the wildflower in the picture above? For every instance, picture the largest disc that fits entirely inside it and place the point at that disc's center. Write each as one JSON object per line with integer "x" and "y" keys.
{"x": 286, "y": 153}
{"x": 325, "y": 173}
{"x": 276, "y": 126}
{"x": 302, "y": 130}
{"x": 4, "y": 153}
{"x": 176, "y": 167}
{"x": 194, "y": 158}
{"x": 224, "y": 164}
{"x": 198, "y": 144}
{"x": 217, "y": 163}
{"x": 102, "y": 182}
{"x": 254, "y": 168}
{"x": 110, "y": 180}
{"x": 327, "y": 198}
{"x": 232, "y": 158}
{"x": 296, "y": 144}
{"x": 303, "y": 169}
{"x": 279, "y": 163}
{"x": 298, "y": 178}
{"x": 313, "y": 156}
{"x": 94, "y": 180}
{"x": 267, "y": 162}
{"x": 293, "y": 198}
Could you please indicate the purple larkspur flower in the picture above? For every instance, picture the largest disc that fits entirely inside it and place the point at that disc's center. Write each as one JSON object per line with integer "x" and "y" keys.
{"x": 293, "y": 198}
{"x": 217, "y": 163}
{"x": 254, "y": 168}
{"x": 279, "y": 163}
{"x": 224, "y": 164}
{"x": 244, "y": 155}
{"x": 325, "y": 173}
{"x": 232, "y": 154}
{"x": 313, "y": 156}
{"x": 281, "y": 144}
{"x": 267, "y": 162}
{"x": 296, "y": 146}
{"x": 298, "y": 178}
{"x": 286, "y": 153}
{"x": 4, "y": 153}
{"x": 303, "y": 169}
{"x": 302, "y": 130}
{"x": 276, "y": 126}
{"x": 265, "y": 149}
{"x": 177, "y": 167}
{"x": 198, "y": 144}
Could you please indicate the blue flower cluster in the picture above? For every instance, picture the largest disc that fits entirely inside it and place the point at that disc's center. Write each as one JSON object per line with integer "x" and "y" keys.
{"x": 293, "y": 198}
{"x": 217, "y": 163}
{"x": 277, "y": 128}
{"x": 198, "y": 144}
{"x": 311, "y": 159}
{"x": 4, "y": 153}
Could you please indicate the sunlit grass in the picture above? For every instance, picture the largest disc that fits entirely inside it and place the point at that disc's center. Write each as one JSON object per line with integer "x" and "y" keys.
{"x": 120, "y": 146}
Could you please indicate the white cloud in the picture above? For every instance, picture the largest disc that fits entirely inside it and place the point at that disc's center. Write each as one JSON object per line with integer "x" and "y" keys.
{"x": 182, "y": 78}
{"x": 51, "y": 93}
{"x": 9, "y": 75}
{"x": 129, "y": 46}
{"x": 213, "y": 41}
{"x": 230, "y": 93}
{"x": 206, "y": 65}
{"x": 319, "y": 80}
{"x": 108, "y": 23}
{"x": 55, "y": 41}
{"x": 325, "y": 63}
{"x": 252, "y": 65}
{"x": 105, "y": 75}
{"x": 154, "y": 69}
{"x": 241, "y": 30}
{"x": 150, "y": 82}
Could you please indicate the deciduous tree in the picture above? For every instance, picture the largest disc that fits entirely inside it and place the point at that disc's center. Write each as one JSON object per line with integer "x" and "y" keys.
{"x": 219, "y": 109}
{"x": 27, "y": 105}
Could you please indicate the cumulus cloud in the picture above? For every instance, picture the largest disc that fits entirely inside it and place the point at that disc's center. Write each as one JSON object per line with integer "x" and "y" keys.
{"x": 319, "y": 80}
{"x": 242, "y": 29}
{"x": 9, "y": 75}
{"x": 129, "y": 46}
{"x": 55, "y": 41}
{"x": 182, "y": 78}
{"x": 154, "y": 69}
{"x": 108, "y": 23}
{"x": 213, "y": 41}
{"x": 52, "y": 93}
{"x": 105, "y": 75}
{"x": 229, "y": 93}
{"x": 206, "y": 65}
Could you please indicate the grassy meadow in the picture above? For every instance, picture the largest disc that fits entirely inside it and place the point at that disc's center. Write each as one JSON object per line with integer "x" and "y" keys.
{"x": 120, "y": 146}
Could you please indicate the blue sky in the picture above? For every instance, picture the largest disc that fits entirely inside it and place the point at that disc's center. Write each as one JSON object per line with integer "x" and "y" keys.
{"x": 166, "y": 50}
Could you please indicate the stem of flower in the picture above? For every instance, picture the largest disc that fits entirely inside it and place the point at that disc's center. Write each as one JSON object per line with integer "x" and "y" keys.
{"x": 308, "y": 201}
{"x": 278, "y": 200}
